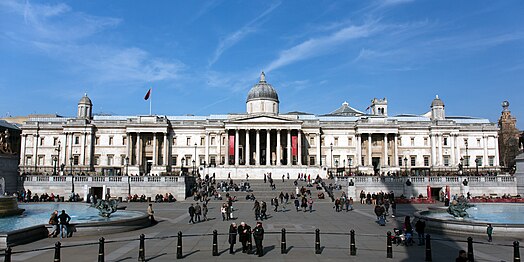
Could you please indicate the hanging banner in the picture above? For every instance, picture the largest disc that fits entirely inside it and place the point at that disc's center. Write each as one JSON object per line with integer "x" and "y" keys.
{"x": 231, "y": 145}
{"x": 294, "y": 143}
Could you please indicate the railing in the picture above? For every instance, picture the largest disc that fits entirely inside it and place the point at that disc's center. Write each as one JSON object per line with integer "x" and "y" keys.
{"x": 106, "y": 179}
{"x": 417, "y": 180}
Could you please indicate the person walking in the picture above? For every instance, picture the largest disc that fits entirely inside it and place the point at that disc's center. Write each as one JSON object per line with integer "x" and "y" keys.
{"x": 191, "y": 211}
{"x": 275, "y": 202}
{"x": 489, "y": 231}
{"x": 420, "y": 227}
{"x": 223, "y": 210}
{"x": 349, "y": 204}
{"x": 393, "y": 208}
{"x": 53, "y": 220}
{"x": 263, "y": 210}
{"x": 204, "y": 211}
{"x": 151, "y": 214}
{"x": 310, "y": 204}
{"x": 244, "y": 233}
{"x": 233, "y": 230}
{"x": 64, "y": 219}
{"x": 256, "y": 207}
{"x": 258, "y": 235}
{"x": 297, "y": 203}
{"x": 198, "y": 212}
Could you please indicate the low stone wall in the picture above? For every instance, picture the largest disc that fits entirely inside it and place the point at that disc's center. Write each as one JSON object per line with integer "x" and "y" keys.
{"x": 239, "y": 173}
{"x": 23, "y": 236}
{"x": 116, "y": 186}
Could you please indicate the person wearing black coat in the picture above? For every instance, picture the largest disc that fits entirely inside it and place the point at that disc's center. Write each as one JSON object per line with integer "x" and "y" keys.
{"x": 258, "y": 235}
{"x": 244, "y": 235}
{"x": 232, "y": 237}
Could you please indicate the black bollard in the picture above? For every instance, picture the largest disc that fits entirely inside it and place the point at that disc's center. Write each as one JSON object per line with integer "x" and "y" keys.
{"x": 179, "y": 245}
{"x": 249, "y": 244}
{"x": 389, "y": 250}
{"x": 57, "y": 251}
{"x": 101, "y": 250}
{"x": 352, "y": 247}
{"x": 428, "y": 248}
{"x": 215, "y": 243}
{"x": 471, "y": 257}
{"x": 283, "y": 243}
{"x": 7, "y": 255}
{"x": 317, "y": 241}
{"x": 142, "y": 249}
{"x": 516, "y": 252}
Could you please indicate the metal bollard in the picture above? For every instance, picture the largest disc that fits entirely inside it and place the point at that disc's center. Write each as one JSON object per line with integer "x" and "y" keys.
{"x": 428, "y": 248}
{"x": 179, "y": 245}
{"x": 389, "y": 249}
{"x": 283, "y": 242}
{"x": 101, "y": 250}
{"x": 215, "y": 243}
{"x": 471, "y": 257}
{"x": 317, "y": 241}
{"x": 516, "y": 252}
{"x": 7, "y": 254}
{"x": 57, "y": 251}
{"x": 352, "y": 247}
{"x": 249, "y": 244}
{"x": 142, "y": 249}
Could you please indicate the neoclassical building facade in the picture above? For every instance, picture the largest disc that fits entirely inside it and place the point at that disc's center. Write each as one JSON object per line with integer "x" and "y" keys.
{"x": 259, "y": 141}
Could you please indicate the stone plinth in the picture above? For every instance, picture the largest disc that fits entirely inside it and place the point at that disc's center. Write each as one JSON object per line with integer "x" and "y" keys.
{"x": 8, "y": 173}
{"x": 520, "y": 174}
{"x": 9, "y": 207}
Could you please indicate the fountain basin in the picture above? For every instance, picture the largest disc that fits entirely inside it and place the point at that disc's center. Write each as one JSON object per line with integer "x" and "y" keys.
{"x": 506, "y": 219}
{"x": 9, "y": 207}
{"x": 33, "y": 223}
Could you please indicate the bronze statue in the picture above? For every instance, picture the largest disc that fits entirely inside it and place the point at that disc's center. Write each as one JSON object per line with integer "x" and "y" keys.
{"x": 5, "y": 142}
{"x": 105, "y": 207}
{"x": 457, "y": 208}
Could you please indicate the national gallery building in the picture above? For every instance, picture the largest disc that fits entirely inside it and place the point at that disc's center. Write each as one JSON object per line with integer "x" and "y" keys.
{"x": 259, "y": 141}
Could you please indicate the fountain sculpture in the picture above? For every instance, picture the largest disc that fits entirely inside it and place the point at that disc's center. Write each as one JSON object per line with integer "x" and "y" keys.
{"x": 106, "y": 208}
{"x": 9, "y": 207}
{"x": 457, "y": 208}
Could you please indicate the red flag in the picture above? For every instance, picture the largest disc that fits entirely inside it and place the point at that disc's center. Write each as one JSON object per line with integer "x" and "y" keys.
{"x": 148, "y": 94}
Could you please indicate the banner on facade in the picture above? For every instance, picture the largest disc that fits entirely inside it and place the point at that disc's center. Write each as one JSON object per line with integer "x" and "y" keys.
{"x": 294, "y": 143}
{"x": 231, "y": 145}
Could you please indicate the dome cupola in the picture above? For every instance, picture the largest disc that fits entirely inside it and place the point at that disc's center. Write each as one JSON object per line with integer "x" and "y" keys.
{"x": 85, "y": 108}
{"x": 262, "y": 98}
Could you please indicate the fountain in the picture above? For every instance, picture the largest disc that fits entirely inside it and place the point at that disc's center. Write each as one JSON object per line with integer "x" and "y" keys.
{"x": 9, "y": 207}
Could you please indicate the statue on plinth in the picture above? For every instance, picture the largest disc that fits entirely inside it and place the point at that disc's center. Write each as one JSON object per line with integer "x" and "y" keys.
{"x": 5, "y": 143}
{"x": 457, "y": 208}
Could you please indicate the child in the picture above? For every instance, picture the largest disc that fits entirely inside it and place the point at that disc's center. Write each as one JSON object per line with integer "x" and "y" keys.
{"x": 489, "y": 231}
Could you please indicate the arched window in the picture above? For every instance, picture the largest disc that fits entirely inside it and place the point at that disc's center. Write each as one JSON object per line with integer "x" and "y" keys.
{"x": 274, "y": 107}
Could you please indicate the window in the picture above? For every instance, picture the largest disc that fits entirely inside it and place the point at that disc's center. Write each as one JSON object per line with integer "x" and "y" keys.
{"x": 40, "y": 160}
{"x": 335, "y": 141}
{"x": 96, "y": 160}
{"x": 413, "y": 161}
{"x": 201, "y": 160}
{"x": 412, "y": 141}
{"x": 41, "y": 141}
{"x": 124, "y": 140}
{"x": 426, "y": 160}
{"x": 202, "y": 141}
{"x": 110, "y": 140}
{"x": 97, "y": 140}
{"x": 29, "y": 160}
{"x": 478, "y": 161}
{"x": 399, "y": 141}
{"x": 55, "y": 141}
{"x": 465, "y": 142}
{"x": 213, "y": 140}
{"x": 446, "y": 160}
{"x": 123, "y": 160}
{"x": 212, "y": 160}
{"x": 110, "y": 160}
{"x": 77, "y": 140}
{"x": 400, "y": 161}
{"x": 311, "y": 140}
{"x": 174, "y": 140}
{"x": 174, "y": 159}
{"x": 491, "y": 160}
{"x": 76, "y": 160}
{"x": 425, "y": 141}
{"x": 445, "y": 141}
{"x": 149, "y": 141}
{"x": 362, "y": 161}
{"x": 274, "y": 107}
{"x": 188, "y": 141}
{"x": 478, "y": 142}
{"x": 322, "y": 142}
{"x": 350, "y": 141}
{"x": 223, "y": 142}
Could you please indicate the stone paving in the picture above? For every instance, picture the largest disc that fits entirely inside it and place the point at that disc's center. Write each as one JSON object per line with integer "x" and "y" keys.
{"x": 173, "y": 217}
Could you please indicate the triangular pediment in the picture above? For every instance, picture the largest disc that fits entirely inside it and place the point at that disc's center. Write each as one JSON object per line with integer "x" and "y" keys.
{"x": 264, "y": 119}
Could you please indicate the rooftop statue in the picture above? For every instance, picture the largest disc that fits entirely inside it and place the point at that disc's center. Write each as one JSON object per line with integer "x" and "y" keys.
{"x": 105, "y": 207}
{"x": 457, "y": 208}
{"x": 5, "y": 143}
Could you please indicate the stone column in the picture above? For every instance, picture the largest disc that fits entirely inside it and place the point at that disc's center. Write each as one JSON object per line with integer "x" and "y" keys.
{"x": 497, "y": 163}
{"x": 219, "y": 143}
{"x": 385, "y": 149}
{"x": 279, "y": 155}
{"x": 166, "y": 153}
{"x": 23, "y": 144}
{"x": 35, "y": 150}
{"x": 299, "y": 134}
{"x": 289, "y": 156}
{"x": 485, "y": 156}
{"x": 138, "y": 150}
{"x": 370, "y": 144}
{"x": 358, "y": 160}
{"x": 440, "y": 150}
{"x": 395, "y": 156}
{"x": 128, "y": 147}
{"x": 237, "y": 149}
{"x": 433, "y": 150}
{"x": 257, "y": 148}
{"x": 452, "y": 152}
{"x": 246, "y": 153}
{"x": 227, "y": 147}
{"x": 206, "y": 148}
{"x": 83, "y": 149}
{"x": 155, "y": 150}
{"x": 268, "y": 147}
{"x": 319, "y": 153}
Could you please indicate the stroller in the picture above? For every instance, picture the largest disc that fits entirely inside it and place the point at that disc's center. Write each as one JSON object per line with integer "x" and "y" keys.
{"x": 402, "y": 238}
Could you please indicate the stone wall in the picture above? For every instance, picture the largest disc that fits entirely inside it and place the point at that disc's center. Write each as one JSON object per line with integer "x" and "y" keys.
{"x": 520, "y": 174}
{"x": 239, "y": 173}
{"x": 9, "y": 173}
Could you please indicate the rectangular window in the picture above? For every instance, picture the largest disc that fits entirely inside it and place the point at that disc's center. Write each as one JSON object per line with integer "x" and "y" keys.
{"x": 426, "y": 160}
{"x": 311, "y": 140}
{"x": 41, "y": 141}
{"x": 400, "y": 161}
{"x": 311, "y": 160}
{"x": 223, "y": 143}
{"x": 76, "y": 159}
{"x": 109, "y": 160}
{"x": 322, "y": 141}
{"x": 412, "y": 141}
{"x": 96, "y": 160}
{"x": 29, "y": 160}
{"x": 425, "y": 141}
{"x": 123, "y": 160}
{"x": 174, "y": 160}
{"x": 110, "y": 140}
{"x": 188, "y": 141}
{"x": 213, "y": 140}
{"x": 55, "y": 141}
{"x": 124, "y": 140}
{"x": 413, "y": 160}
{"x": 362, "y": 161}
{"x": 491, "y": 160}
{"x": 478, "y": 161}
{"x": 335, "y": 141}
{"x": 446, "y": 160}
{"x": 202, "y": 141}
{"x": 350, "y": 141}
{"x": 97, "y": 140}
{"x": 77, "y": 140}
{"x": 445, "y": 141}
{"x": 40, "y": 160}
{"x": 212, "y": 160}
{"x": 174, "y": 140}
{"x": 478, "y": 142}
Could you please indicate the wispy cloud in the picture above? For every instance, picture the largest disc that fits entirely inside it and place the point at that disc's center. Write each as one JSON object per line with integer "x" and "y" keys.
{"x": 321, "y": 45}
{"x": 208, "y": 6}
{"x": 235, "y": 37}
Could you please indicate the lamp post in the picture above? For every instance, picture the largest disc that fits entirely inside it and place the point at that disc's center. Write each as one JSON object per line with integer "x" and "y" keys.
{"x": 182, "y": 166}
{"x": 194, "y": 160}
{"x": 406, "y": 165}
{"x": 350, "y": 163}
{"x": 54, "y": 165}
{"x": 331, "y": 147}
{"x": 477, "y": 162}
{"x": 194, "y": 166}
{"x": 467, "y": 156}
{"x": 344, "y": 166}
{"x": 461, "y": 165}
{"x": 336, "y": 167}
{"x": 57, "y": 159}
{"x": 128, "y": 178}
{"x": 72, "y": 177}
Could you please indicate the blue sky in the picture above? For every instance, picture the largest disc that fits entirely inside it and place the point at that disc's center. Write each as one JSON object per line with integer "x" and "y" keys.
{"x": 202, "y": 57}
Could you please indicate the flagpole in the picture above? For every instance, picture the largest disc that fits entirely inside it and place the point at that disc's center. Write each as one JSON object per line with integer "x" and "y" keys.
{"x": 150, "y": 101}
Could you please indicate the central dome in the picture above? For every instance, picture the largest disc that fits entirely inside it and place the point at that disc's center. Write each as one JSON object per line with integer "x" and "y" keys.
{"x": 262, "y": 91}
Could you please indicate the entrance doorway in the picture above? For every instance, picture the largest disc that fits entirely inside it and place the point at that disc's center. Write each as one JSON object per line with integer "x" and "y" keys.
{"x": 97, "y": 192}
{"x": 375, "y": 161}
{"x": 149, "y": 165}
{"x": 435, "y": 191}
